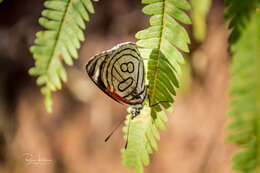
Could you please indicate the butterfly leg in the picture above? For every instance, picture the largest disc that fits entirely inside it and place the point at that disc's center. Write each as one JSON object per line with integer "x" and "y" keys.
{"x": 134, "y": 112}
{"x": 149, "y": 95}
{"x": 152, "y": 105}
{"x": 126, "y": 142}
{"x": 150, "y": 79}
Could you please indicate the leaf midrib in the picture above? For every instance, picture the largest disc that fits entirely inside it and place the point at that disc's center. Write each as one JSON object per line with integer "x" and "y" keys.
{"x": 159, "y": 53}
{"x": 58, "y": 36}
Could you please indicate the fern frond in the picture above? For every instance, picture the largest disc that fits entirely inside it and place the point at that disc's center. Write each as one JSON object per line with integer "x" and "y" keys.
{"x": 239, "y": 14}
{"x": 162, "y": 44}
{"x": 142, "y": 138}
{"x": 245, "y": 98}
{"x": 64, "y": 22}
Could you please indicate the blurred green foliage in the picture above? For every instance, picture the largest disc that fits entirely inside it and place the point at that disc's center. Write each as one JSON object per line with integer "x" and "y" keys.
{"x": 245, "y": 83}
{"x": 239, "y": 13}
{"x": 199, "y": 10}
{"x": 245, "y": 95}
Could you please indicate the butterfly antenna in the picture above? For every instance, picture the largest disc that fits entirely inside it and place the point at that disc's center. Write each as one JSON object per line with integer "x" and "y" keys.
{"x": 111, "y": 133}
{"x": 126, "y": 143}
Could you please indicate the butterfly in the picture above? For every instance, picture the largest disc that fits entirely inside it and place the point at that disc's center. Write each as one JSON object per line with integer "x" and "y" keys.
{"x": 119, "y": 73}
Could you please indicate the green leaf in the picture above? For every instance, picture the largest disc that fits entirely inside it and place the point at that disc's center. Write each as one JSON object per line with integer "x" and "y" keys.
{"x": 162, "y": 44}
{"x": 245, "y": 97}
{"x": 63, "y": 22}
{"x": 142, "y": 138}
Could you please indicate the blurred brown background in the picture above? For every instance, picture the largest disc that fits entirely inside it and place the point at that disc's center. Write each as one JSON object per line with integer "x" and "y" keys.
{"x": 72, "y": 137}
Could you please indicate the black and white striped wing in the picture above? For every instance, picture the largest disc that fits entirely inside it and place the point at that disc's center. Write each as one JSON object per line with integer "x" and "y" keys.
{"x": 119, "y": 72}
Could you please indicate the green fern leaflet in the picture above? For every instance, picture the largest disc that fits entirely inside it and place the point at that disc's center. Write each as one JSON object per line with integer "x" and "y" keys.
{"x": 245, "y": 98}
{"x": 64, "y": 22}
{"x": 161, "y": 44}
{"x": 163, "y": 37}
{"x": 142, "y": 138}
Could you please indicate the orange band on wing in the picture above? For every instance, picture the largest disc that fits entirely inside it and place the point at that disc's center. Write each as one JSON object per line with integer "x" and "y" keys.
{"x": 116, "y": 96}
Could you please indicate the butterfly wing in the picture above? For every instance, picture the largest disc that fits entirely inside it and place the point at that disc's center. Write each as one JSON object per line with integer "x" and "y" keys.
{"x": 119, "y": 72}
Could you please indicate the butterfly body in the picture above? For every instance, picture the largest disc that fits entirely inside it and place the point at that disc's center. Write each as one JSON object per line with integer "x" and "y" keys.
{"x": 119, "y": 73}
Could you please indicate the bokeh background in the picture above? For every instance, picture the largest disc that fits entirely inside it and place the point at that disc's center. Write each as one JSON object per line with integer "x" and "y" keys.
{"x": 72, "y": 137}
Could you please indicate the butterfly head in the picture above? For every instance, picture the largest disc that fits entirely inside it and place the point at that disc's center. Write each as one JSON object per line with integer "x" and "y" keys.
{"x": 135, "y": 110}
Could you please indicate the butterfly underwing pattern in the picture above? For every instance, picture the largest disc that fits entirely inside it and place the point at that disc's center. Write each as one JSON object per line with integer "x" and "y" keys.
{"x": 119, "y": 73}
